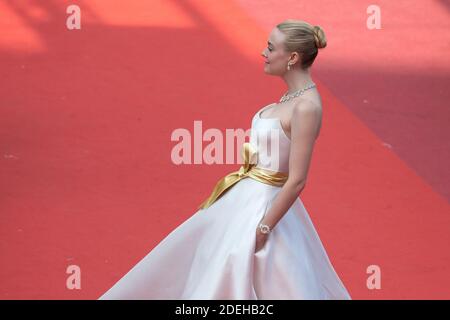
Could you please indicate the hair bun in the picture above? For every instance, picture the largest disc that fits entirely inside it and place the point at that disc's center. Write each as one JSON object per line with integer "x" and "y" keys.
{"x": 319, "y": 37}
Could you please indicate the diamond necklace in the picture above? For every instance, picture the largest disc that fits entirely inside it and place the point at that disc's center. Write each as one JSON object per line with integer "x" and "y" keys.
{"x": 287, "y": 96}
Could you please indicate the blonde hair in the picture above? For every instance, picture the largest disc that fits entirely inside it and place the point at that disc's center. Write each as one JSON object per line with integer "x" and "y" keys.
{"x": 303, "y": 38}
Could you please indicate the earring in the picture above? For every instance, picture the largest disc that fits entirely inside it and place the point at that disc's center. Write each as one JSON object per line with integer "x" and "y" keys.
{"x": 289, "y": 66}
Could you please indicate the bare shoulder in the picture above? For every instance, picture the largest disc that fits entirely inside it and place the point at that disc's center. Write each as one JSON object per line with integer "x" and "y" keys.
{"x": 307, "y": 114}
{"x": 304, "y": 107}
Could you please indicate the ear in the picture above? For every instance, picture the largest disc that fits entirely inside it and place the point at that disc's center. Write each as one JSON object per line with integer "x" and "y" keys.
{"x": 296, "y": 57}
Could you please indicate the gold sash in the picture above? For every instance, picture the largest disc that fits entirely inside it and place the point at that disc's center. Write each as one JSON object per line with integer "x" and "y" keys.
{"x": 248, "y": 169}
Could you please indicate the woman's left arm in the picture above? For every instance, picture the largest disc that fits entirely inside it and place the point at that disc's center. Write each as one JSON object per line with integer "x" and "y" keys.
{"x": 305, "y": 127}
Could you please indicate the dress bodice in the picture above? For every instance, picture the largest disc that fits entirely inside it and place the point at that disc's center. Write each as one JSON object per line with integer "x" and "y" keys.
{"x": 270, "y": 140}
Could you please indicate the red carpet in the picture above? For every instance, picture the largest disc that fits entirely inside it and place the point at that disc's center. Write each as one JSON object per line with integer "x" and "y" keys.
{"x": 86, "y": 119}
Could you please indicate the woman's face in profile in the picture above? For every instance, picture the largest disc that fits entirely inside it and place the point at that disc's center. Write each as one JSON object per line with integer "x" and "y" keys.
{"x": 276, "y": 58}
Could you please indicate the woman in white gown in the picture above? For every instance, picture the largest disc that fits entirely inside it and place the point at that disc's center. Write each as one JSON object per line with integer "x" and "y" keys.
{"x": 253, "y": 238}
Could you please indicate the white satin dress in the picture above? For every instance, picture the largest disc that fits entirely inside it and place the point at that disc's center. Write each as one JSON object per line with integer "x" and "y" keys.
{"x": 212, "y": 255}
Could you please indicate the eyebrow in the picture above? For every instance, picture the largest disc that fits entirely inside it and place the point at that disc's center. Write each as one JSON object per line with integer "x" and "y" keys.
{"x": 270, "y": 43}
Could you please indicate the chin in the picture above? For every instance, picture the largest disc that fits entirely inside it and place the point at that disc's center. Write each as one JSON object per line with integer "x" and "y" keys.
{"x": 268, "y": 72}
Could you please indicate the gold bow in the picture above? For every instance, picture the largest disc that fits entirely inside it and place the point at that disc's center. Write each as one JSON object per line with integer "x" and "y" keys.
{"x": 248, "y": 169}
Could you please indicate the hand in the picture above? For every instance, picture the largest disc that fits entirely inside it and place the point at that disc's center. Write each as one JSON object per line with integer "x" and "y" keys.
{"x": 261, "y": 239}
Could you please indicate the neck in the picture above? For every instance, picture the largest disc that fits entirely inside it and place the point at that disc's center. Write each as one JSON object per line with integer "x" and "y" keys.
{"x": 297, "y": 79}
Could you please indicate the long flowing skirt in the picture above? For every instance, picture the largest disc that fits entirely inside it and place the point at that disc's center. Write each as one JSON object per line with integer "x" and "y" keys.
{"x": 212, "y": 255}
